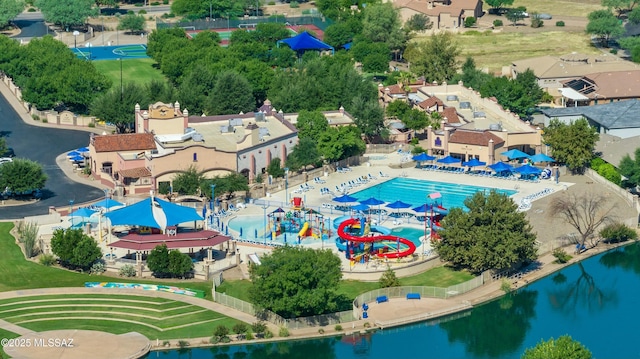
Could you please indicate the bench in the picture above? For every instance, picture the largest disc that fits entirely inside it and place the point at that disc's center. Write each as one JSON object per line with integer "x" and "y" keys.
{"x": 413, "y": 295}
{"x": 382, "y": 299}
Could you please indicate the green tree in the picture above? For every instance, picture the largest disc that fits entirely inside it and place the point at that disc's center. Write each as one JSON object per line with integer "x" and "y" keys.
{"x": 231, "y": 94}
{"x": 161, "y": 41}
{"x": 361, "y": 49}
{"x": 416, "y": 119}
{"x": 275, "y": 169}
{"x": 630, "y": 168}
{"x": 369, "y": 117}
{"x": 304, "y": 153}
{"x": 74, "y": 248}
{"x": 498, "y": 4}
{"x": 376, "y": 63}
{"x": 469, "y": 21}
{"x": 604, "y": 25}
{"x": 634, "y": 17}
{"x": 180, "y": 264}
{"x": 158, "y": 261}
{"x": 618, "y": 232}
{"x": 435, "y": 58}
{"x": 491, "y": 235}
{"x": 311, "y": 124}
{"x": 338, "y": 34}
{"x": 188, "y": 182}
{"x": 572, "y": 144}
{"x": 9, "y": 9}
{"x": 133, "y": 23}
{"x": 518, "y": 95}
{"x": 196, "y": 9}
{"x": 398, "y": 109}
{"x": 195, "y": 87}
{"x": 296, "y": 282}
{"x": 620, "y": 6}
{"x": 116, "y": 106}
{"x": 389, "y": 279}
{"x": 339, "y": 143}
{"x": 515, "y": 15}
{"x": 564, "y": 347}
{"x": 228, "y": 184}
{"x": 472, "y": 76}
{"x": 22, "y": 176}
{"x": 418, "y": 22}
{"x": 67, "y": 12}
{"x": 382, "y": 23}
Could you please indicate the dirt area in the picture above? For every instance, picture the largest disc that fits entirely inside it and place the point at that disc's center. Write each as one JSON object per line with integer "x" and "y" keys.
{"x": 281, "y": 8}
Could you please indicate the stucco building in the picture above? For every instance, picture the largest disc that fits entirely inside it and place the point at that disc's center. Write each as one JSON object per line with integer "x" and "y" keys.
{"x": 443, "y": 14}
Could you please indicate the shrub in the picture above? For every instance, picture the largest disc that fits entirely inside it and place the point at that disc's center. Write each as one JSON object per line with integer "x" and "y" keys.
{"x": 284, "y": 332}
{"x": 155, "y": 3}
{"x": 414, "y": 141}
{"x": 561, "y": 255}
{"x": 142, "y": 12}
{"x": 505, "y": 286}
{"x": 220, "y": 333}
{"x": 183, "y": 343}
{"x": 610, "y": 173}
{"x": 92, "y": 124}
{"x": 321, "y": 331}
{"x": 249, "y": 336}
{"x": 469, "y": 21}
{"x": 28, "y": 234}
{"x": 497, "y": 23}
{"x": 137, "y": 5}
{"x": 165, "y": 2}
{"x": 259, "y": 178}
{"x": 35, "y": 117}
{"x": 417, "y": 150}
{"x": 596, "y": 163}
{"x": 86, "y": 170}
{"x": 618, "y": 232}
{"x": 130, "y": 12}
{"x": 98, "y": 267}
{"x": 31, "y": 9}
{"x": 268, "y": 334}
{"x": 166, "y": 343}
{"x": 44, "y": 120}
{"x": 614, "y": 51}
{"x": 127, "y": 270}
{"x": 47, "y": 260}
{"x": 560, "y": 23}
{"x": 259, "y": 327}
{"x": 294, "y": 5}
{"x": 536, "y": 23}
{"x": 338, "y": 328}
{"x": 367, "y": 325}
{"x": 240, "y": 328}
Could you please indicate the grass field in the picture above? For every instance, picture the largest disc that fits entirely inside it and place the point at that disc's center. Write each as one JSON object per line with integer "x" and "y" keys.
{"x": 155, "y": 318}
{"x": 17, "y": 273}
{"x": 133, "y": 70}
{"x": 8, "y": 335}
{"x": 560, "y": 7}
{"x": 436, "y": 277}
{"x": 494, "y": 50}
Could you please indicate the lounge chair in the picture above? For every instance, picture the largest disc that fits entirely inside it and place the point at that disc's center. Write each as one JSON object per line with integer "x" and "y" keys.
{"x": 383, "y": 175}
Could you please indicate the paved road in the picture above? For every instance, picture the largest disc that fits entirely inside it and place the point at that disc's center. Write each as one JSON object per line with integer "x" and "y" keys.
{"x": 43, "y": 144}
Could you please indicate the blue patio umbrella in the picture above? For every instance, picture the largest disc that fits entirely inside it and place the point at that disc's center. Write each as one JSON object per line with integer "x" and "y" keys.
{"x": 76, "y": 159}
{"x": 474, "y": 162}
{"x": 528, "y": 170}
{"x": 360, "y": 207}
{"x": 371, "y": 201}
{"x": 541, "y": 157}
{"x": 514, "y": 154}
{"x": 107, "y": 203}
{"x": 423, "y": 209}
{"x": 398, "y": 205}
{"x": 501, "y": 167}
{"x": 82, "y": 212}
{"x": 74, "y": 154}
{"x": 423, "y": 157}
{"x": 345, "y": 198}
{"x": 449, "y": 160}
{"x": 83, "y": 149}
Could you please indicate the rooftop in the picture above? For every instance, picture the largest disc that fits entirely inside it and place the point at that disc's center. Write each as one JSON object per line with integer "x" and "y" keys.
{"x": 615, "y": 115}
{"x": 124, "y": 142}
{"x": 573, "y": 65}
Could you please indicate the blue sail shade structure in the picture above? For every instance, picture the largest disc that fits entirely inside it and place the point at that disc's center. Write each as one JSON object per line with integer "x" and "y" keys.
{"x": 305, "y": 41}
{"x": 153, "y": 212}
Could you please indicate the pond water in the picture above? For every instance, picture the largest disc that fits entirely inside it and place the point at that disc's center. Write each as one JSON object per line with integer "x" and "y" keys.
{"x": 595, "y": 301}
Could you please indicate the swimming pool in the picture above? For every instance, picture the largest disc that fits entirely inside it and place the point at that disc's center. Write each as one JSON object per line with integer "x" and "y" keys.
{"x": 415, "y": 192}
{"x": 412, "y": 234}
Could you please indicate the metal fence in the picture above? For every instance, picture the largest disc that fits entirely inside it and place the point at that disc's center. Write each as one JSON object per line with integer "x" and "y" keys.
{"x": 429, "y": 292}
{"x": 219, "y": 24}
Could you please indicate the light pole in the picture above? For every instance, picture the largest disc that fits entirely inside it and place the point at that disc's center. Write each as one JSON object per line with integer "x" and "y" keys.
{"x": 264, "y": 209}
{"x": 75, "y": 38}
{"x": 211, "y": 204}
{"x": 106, "y": 206}
{"x": 228, "y": 22}
{"x": 70, "y": 209}
{"x": 286, "y": 184}
{"x": 210, "y": 13}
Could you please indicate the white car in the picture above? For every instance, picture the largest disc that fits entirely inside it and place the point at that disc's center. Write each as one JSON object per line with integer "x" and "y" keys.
{"x": 4, "y": 160}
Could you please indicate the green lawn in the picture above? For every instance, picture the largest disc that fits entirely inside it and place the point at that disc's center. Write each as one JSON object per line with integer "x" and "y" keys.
{"x": 437, "y": 277}
{"x": 6, "y": 334}
{"x": 18, "y": 273}
{"x": 133, "y": 70}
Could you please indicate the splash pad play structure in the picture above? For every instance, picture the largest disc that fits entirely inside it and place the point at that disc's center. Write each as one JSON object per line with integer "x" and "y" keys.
{"x": 300, "y": 221}
{"x": 360, "y": 241}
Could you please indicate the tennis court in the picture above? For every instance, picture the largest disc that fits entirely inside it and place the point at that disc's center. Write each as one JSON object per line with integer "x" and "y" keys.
{"x": 112, "y": 52}
{"x": 225, "y": 34}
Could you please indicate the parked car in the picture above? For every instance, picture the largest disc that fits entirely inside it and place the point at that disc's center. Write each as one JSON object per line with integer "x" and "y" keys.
{"x": 8, "y": 153}
{"x": 4, "y": 160}
{"x": 545, "y": 17}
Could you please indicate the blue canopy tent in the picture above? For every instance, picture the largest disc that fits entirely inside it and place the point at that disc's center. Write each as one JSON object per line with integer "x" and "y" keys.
{"x": 449, "y": 160}
{"x": 501, "y": 167}
{"x": 155, "y": 213}
{"x": 474, "y": 162}
{"x": 541, "y": 157}
{"x": 397, "y": 205}
{"x": 514, "y": 154}
{"x": 423, "y": 157}
{"x": 304, "y": 41}
{"x": 345, "y": 198}
{"x": 77, "y": 159}
{"x": 528, "y": 170}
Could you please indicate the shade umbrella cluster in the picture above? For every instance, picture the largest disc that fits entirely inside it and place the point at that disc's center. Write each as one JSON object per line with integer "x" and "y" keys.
{"x": 449, "y": 160}
{"x": 398, "y": 205}
{"x": 514, "y": 154}
{"x": 474, "y": 162}
{"x": 541, "y": 157}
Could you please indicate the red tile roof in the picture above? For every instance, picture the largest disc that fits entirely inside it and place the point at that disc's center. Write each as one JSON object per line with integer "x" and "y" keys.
{"x": 430, "y": 102}
{"x": 140, "y": 242}
{"x": 138, "y": 172}
{"x": 451, "y": 114}
{"x": 477, "y": 138}
{"x": 124, "y": 142}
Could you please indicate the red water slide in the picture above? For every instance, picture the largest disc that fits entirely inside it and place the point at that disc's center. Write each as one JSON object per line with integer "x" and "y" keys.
{"x": 395, "y": 254}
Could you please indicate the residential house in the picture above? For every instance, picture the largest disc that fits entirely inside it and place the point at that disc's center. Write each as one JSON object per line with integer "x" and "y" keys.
{"x": 443, "y": 14}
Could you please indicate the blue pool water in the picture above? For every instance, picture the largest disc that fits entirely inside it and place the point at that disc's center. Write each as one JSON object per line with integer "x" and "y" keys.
{"x": 412, "y": 234}
{"x": 595, "y": 302}
{"x": 415, "y": 192}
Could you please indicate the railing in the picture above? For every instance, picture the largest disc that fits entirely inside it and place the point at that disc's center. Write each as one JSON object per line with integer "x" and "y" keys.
{"x": 430, "y": 292}
{"x": 422, "y": 317}
{"x": 630, "y": 198}
{"x": 317, "y": 20}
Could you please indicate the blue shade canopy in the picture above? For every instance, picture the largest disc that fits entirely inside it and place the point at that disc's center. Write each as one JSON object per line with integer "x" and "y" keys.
{"x": 371, "y": 201}
{"x": 398, "y": 205}
{"x": 345, "y": 198}
{"x": 107, "y": 203}
{"x": 360, "y": 207}
{"x": 422, "y": 209}
{"x": 449, "y": 160}
{"x": 347, "y": 46}
{"x": 423, "y": 157}
{"x": 155, "y": 213}
{"x": 83, "y": 149}
{"x": 304, "y": 41}
{"x": 77, "y": 158}
{"x": 528, "y": 170}
{"x": 541, "y": 157}
{"x": 501, "y": 167}
{"x": 514, "y": 154}
{"x": 73, "y": 154}
{"x": 279, "y": 210}
{"x": 82, "y": 212}
{"x": 474, "y": 162}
